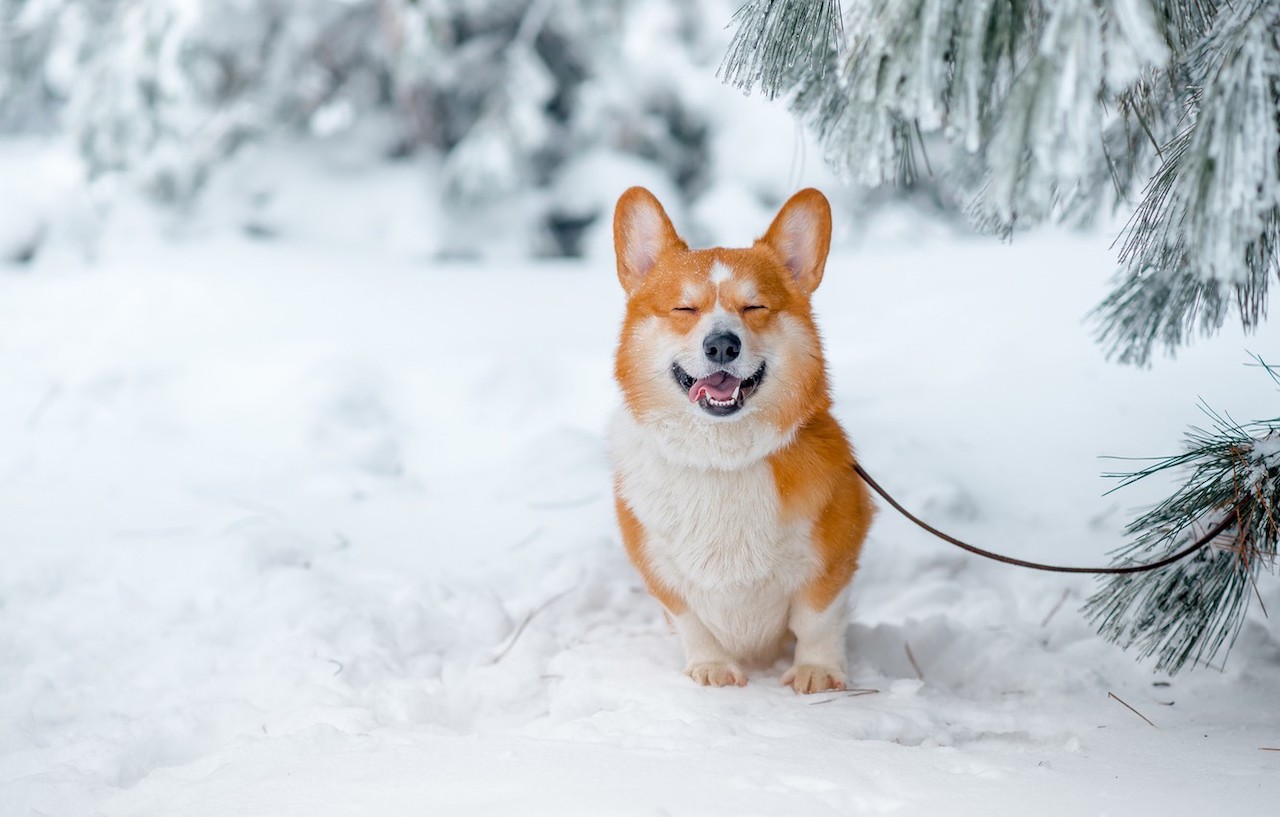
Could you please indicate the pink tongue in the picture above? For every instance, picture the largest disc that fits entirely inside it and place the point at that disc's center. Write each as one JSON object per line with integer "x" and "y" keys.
{"x": 719, "y": 386}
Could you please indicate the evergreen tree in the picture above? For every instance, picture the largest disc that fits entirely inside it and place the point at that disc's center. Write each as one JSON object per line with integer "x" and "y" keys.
{"x": 1051, "y": 110}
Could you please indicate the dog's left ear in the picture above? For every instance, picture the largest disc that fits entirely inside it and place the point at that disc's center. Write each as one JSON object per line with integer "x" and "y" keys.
{"x": 801, "y": 235}
{"x": 641, "y": 232}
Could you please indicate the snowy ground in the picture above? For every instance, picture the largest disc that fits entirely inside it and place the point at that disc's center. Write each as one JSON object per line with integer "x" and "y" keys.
{"x": 290, "y": 528}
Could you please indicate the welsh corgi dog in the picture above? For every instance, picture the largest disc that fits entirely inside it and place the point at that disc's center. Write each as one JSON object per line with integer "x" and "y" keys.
{"x": 734, "y": 486}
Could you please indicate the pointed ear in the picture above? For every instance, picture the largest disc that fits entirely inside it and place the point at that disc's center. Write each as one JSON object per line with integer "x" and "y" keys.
{"x": 641, "y": 231}
{"x": 801, "y": 235}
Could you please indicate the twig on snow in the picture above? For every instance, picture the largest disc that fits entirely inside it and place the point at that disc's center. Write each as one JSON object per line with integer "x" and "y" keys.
{"x": 845, "y": 693}
{"x": 1054, "y": 611}
{"x": 1131, "y": 709}
{"x": 912, "y": 658}
{"x": 502, "y": 653}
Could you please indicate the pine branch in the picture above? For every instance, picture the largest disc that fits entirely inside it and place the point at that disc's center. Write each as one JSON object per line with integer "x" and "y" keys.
{"x": 780, "y": 43}
{"x": 916, "y": 67}
{"x": 1207, "y": 230}
{"x": 1184, "y": 23}
{"x": 1192, "y": 610}
{"x": 1050, "y": 152}
{"x": 1017, "y": 83}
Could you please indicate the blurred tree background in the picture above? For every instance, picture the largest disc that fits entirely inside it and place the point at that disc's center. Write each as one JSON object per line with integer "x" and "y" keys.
{"x": 515, "y": 102}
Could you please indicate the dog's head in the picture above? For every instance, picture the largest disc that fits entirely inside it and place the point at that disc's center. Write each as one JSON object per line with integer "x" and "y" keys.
{"x": 723, "y": 336}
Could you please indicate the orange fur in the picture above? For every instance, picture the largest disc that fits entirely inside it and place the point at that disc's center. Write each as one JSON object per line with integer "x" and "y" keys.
{"x": 815, "y": 480}
{"x": 633, "y": 541}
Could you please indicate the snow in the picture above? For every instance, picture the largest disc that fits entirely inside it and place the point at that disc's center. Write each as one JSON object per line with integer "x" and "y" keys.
{"x": 316, "y": 525}
{"x": 1267, "y": 448}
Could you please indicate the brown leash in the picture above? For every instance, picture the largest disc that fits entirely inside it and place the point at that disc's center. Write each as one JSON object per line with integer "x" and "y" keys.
{"x": 1213, "y": 533}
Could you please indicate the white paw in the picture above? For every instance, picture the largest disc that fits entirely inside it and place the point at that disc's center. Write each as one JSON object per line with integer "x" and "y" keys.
{"x": 717, "y": 674}
{"x": 808, "y": 678}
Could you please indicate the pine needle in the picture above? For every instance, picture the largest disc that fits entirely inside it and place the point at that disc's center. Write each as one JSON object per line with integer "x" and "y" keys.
{"x": 515, "y": 636}
{"x": 845, "y": 693}
{"x": 1116, "y": 697}
{"x": 1056, "y": 607}
{"x": 912, "y": 658}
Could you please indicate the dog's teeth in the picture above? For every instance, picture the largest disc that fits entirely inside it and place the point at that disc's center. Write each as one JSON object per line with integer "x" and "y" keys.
{"x": 737, "y": 390}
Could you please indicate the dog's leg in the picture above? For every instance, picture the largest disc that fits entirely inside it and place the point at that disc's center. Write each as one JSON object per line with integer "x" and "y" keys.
{"x": 819, "y": 663}
{"x": 707, "y": 662}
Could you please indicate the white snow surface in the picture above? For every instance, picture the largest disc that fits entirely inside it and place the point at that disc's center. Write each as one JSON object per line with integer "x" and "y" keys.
{"x": 289, "y": 528}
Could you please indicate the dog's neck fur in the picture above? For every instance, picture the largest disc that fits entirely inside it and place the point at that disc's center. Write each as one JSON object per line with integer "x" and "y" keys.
{"x": 687, "y": 440}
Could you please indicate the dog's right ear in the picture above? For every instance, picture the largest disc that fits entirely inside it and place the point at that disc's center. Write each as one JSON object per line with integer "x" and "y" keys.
{"x": 641, "y": 232}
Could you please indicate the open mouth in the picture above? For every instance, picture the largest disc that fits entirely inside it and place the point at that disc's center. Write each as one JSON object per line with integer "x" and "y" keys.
{"x": 720, "y": 394}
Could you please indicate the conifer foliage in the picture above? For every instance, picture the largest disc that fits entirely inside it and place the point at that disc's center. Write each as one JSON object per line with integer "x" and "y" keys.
{"x": 1193, "y": 609}
{"x": 1048, "y": 111}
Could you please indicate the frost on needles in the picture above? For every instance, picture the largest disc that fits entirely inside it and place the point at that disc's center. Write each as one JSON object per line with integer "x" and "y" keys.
{"x": 1205, "y": 235}
{"x": 1037, "y": 110}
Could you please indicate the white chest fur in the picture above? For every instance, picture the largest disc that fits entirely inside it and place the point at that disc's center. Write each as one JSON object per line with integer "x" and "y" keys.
{"x": 716, "y": 537}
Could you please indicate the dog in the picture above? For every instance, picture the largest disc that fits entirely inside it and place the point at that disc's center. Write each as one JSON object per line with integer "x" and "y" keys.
{"x": 734, "y": 485}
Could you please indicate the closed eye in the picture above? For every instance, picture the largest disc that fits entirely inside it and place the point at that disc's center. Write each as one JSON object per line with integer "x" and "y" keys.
{"x": 752, "y": 307}
{"x": 692, "y": 310}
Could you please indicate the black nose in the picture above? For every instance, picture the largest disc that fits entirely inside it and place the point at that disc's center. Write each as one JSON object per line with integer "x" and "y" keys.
{"x": 722, "y": 347}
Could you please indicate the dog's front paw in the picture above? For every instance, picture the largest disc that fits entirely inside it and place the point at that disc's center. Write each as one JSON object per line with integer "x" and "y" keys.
{"x": 808, "y": 678}
{"x": 717, "y": 674}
